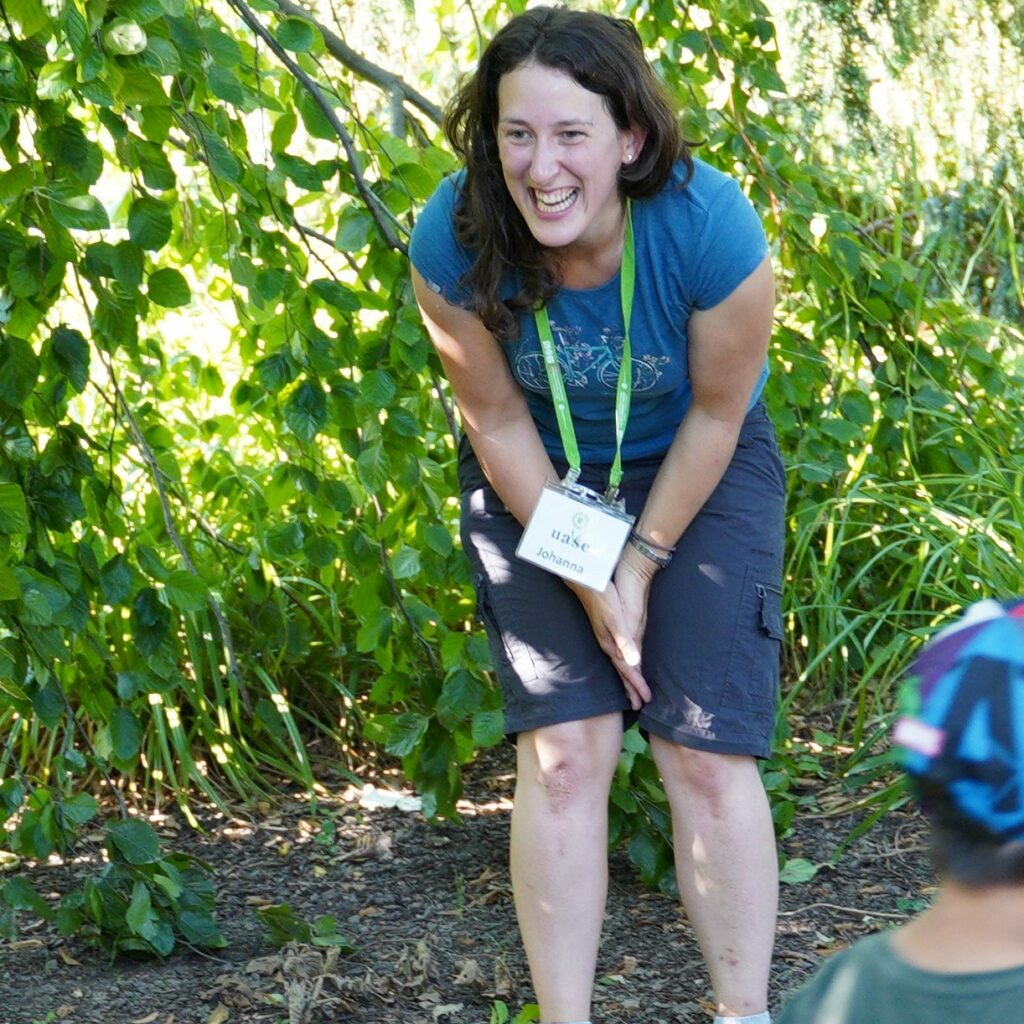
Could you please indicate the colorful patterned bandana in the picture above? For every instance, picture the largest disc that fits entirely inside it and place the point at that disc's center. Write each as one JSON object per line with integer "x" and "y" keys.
{"x": 962, "y": 731}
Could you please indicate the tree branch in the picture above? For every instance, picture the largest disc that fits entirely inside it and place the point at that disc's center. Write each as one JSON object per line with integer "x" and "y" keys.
{"x": 378, "y": 210}
{"x": 366, "y": 69}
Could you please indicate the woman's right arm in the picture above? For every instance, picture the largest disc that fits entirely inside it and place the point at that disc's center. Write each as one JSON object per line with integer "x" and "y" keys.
{"x": 493, "y": 408}
{"x": 505, "y": 440}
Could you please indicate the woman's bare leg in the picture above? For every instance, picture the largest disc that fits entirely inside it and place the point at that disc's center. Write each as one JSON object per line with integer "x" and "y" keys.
{"x": 727, "y": 868}
{"x": 560, "y": 856}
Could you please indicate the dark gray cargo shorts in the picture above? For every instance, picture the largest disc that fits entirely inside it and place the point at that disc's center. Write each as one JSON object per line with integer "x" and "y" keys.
{"x": 714, "y": 624}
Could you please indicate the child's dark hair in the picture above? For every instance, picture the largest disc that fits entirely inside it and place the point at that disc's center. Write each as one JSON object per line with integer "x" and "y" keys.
{"x": 964, "y": 850}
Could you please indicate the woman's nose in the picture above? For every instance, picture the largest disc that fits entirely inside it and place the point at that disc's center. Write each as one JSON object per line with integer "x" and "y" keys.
{"x": 544, "y": 163}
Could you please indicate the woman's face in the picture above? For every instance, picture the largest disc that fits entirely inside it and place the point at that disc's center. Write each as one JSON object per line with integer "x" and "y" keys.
{"x": 560, "y": 153}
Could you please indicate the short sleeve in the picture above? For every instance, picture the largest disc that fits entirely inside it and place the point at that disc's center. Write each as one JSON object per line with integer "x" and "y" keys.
{"x": 731, "y": 245}
{"x": 434, "y": 249}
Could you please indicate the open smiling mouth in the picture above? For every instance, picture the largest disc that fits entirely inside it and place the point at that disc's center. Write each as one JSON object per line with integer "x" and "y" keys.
{"x": 555, "y": 201}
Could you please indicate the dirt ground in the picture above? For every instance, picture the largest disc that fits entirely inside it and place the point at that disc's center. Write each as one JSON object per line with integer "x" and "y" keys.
{"x": 428, "y": 911}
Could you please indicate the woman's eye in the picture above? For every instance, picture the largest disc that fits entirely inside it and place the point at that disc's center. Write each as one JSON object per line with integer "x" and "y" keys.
{"x": 515, "y": 134}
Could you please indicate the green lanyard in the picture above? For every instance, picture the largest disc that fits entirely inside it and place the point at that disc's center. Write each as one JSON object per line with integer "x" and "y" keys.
{"x": 624, "y": 387}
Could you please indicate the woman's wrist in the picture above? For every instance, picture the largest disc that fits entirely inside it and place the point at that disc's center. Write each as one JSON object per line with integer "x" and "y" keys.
{"x": 659, "y": 554}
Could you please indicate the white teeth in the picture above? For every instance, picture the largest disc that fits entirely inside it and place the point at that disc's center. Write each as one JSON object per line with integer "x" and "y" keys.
{"x": 554, "y": 202}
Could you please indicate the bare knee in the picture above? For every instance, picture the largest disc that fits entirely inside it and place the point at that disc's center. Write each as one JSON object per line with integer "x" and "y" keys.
{"x": 569, "y": 764}
{"x": 702, "y": 775}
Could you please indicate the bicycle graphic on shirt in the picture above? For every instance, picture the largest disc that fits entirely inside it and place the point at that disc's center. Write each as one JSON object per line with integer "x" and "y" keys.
{"x": 583, "y": 363}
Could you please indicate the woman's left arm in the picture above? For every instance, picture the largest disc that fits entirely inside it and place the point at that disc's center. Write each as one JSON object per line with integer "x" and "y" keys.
{"x": 728, "y": 344}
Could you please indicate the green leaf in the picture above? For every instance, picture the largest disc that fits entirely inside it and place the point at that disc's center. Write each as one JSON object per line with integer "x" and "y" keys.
{"x": 15, "y": 182}
{"x": 373, "y": 629}
{"x": 149, "y": 223}
{"x": 302, "y": 172}
{"x": 354, "y": 228}
{"x": 461, "y": 697}
{"x": 438, "y": 539}
{"x": 187, "y": 591}
{"x": 80, "y": 808}
{"x": 325, "y": 933}
{"x": 842, "y": 430}
{"x": 284, "y": 539}
{"x": 137, "y": 915}
{"x": 133, "y": 842}
{"x": 224, "y": 84}
{"x": 647, "y": 855}
{"x": 13, "y": 511}
{"x": 151, "y": 621}
{"x": 200, "y": 929}
{"x": 29, "y": 15}
{"x": 20, "y": 894}
{"x": 321, "y": 551}
{"x": 418, "y": 180}
{"x": 83, "y": 213}
{"x": 70, "y": 352}
{"x": 10, "y": 590}
{"x": 297, "y": 34}
{"x": 284, "y": 924}
{"x": 140, "y": 88}
{"x": 125, "y": 734}
{"x": 42, "y": 597}
{"x": 797, "y": 870}
{"x": 129, "y": 684}
{"x": 19, "y": 370}
{"x": 56, "y": 78}
{"x": 406, "y": 732}
{"x": 377, "y": 388}
{"x": 488, "y": 727}
{"x": 161, "y": 57}
{"x": 306, "y": 410}
{"x": 167, "y": 287}
{"x": 373, "y": 468}
{"x": 337, "y": 295}
{"x": 48, "y": 704}
{"x": 116, "y": 580}
{"x": 276, "y": 371}
{"x": 128, "y": 263}
{"x": 405, "y": 563}
{"x": 223, "y": 50}
{"x": 857, "y": 408}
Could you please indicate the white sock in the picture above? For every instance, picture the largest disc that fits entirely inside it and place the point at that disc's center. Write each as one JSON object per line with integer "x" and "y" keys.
{"x": 754, "y": 1018}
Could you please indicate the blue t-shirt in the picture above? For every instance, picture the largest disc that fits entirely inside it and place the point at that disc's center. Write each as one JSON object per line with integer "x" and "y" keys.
{"x": 694, "y": 245}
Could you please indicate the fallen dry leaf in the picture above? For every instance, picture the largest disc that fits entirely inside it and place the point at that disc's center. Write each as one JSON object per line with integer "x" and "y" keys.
{"x": 628, "y": 965}
{"x": 470, "y": 973}
{"x": 67, "y": 957}
{"x": 264, "y": 965}
{"x": 219, "y": 1014}
{"x": 503, "y": 983}
{"x": 446, "y": 1010}
{"x": 146, "y": 1020}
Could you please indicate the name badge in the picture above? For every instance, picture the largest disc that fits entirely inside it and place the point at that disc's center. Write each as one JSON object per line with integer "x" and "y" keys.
{"x": 575, "y": 535}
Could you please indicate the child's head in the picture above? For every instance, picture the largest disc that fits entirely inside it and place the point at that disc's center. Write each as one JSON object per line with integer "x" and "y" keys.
{"x": 962, "y": 733}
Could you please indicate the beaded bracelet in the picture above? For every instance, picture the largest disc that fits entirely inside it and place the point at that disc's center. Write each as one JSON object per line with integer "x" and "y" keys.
{"x": 644, "y": 547}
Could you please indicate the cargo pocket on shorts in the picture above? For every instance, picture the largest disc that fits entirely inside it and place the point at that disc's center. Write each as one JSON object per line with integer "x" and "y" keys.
{"x": 513, "y": 661}
{"x": 752, "y": 678}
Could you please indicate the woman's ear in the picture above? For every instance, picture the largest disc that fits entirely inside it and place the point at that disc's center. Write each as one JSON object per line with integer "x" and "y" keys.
{"x": 632, "y": 143}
